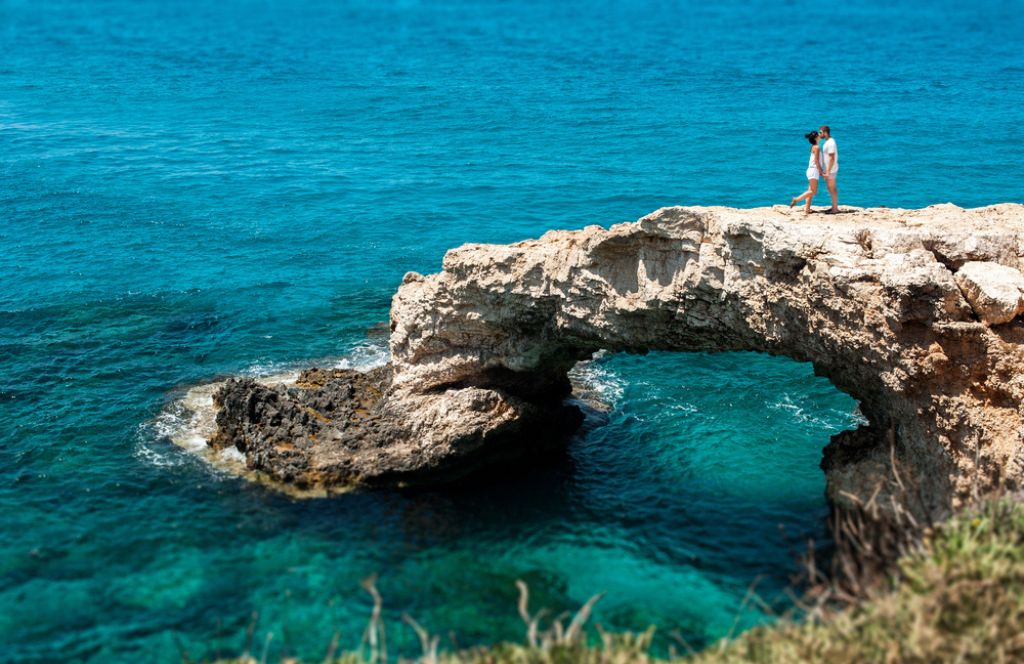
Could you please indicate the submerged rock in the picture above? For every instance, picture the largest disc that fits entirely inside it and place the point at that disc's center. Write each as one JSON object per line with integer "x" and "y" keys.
{"x": 887, "y": 303}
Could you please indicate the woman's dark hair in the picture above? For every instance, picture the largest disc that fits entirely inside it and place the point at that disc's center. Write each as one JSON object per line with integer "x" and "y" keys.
{"x": 811, "y": 136}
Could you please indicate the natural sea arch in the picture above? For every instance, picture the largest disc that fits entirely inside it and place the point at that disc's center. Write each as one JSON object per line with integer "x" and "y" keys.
{"x": 874, "y": 301}
{"x": 888, "y": 305}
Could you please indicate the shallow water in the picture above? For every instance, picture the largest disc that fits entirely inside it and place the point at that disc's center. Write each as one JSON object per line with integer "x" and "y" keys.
{"x": 194, "y": 190}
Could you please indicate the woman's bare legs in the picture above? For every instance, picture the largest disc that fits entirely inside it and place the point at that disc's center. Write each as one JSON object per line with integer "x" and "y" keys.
{"x": 812, "y": 189}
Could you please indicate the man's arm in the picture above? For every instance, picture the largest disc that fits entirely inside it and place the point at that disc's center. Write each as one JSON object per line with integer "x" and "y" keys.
{"x": 831, "y": 161}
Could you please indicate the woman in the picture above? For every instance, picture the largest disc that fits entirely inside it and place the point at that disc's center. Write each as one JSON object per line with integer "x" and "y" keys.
{"x": 813, "y": 173}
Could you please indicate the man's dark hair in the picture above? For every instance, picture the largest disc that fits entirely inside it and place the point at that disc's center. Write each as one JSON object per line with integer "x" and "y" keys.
{"x": 826, "y": 130}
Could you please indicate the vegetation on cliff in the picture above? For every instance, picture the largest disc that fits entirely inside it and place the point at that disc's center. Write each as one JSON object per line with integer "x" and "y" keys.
{"x": 957, "y": 597}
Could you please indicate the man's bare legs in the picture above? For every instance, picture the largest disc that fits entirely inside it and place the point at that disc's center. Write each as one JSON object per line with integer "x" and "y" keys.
{"x": 833, "y": 192}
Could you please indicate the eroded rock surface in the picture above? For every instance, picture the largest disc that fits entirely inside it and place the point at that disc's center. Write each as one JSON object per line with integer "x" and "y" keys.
{"x": 319, "y": 431}
{"x": 341, "y": 428}
{"x": 884, "y": 302}
{"x": 994, "y": 291}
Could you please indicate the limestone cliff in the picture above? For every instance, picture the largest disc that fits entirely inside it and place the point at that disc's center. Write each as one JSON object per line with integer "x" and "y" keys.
{"x": 912, "y": 312}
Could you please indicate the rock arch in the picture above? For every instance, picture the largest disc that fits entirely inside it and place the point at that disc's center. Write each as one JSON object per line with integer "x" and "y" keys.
{"x": 912, "y": 312}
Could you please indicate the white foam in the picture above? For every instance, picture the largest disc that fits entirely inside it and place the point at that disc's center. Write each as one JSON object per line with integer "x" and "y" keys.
{"x": 593, "y": 379}
{"x": 800, "y": 414}
{"x": 154, "y": 457}
{"x": 365, "y": 356}
{"x": 231, "y": 454}
{"x": 272, "y": 373}
{"x": 684, "y": 408}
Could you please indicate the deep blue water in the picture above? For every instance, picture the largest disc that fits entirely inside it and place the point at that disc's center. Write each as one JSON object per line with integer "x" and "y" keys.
{"x": 190, "y": 190}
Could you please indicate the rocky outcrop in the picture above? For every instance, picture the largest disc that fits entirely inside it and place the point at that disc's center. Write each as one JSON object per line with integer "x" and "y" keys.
{"x": 320, "y": 431}
{"x": 337, "y": 428}
{"x": 891, "y": 305}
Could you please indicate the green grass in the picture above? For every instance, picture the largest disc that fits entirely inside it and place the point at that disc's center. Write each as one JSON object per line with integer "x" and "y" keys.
{"x": 958, "y": 597}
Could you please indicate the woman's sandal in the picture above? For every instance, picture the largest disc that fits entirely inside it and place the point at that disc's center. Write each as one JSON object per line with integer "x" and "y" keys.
{"x": 792, "y": 201}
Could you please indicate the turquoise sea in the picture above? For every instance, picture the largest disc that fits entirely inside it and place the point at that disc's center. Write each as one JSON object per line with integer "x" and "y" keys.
{"x": 190, "y": 190}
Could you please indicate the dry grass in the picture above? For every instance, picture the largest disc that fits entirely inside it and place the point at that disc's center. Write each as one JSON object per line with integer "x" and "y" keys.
{"x": 958, "y": 598}
{"x": 870, "y": 538}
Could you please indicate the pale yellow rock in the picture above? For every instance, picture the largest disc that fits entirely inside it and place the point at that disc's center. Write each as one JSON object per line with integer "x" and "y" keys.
{"x": 996, "y": 292}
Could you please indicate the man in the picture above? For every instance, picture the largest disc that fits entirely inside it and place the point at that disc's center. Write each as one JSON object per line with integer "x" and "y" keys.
{"x": 830, "y": 165}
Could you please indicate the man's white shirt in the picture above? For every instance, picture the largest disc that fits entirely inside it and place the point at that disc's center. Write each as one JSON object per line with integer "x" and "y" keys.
{"x": 827, "y": 151}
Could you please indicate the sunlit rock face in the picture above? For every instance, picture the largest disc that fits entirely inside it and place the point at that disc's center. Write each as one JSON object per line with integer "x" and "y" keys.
{"x": 912, "y": 312}
{"x": 891, "y": 305}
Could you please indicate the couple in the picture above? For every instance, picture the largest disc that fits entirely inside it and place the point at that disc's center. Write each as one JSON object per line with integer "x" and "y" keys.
{"x": 824, "y": 162}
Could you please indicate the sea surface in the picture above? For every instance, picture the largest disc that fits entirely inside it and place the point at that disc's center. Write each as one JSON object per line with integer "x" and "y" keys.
{"x": 192, "y": 190}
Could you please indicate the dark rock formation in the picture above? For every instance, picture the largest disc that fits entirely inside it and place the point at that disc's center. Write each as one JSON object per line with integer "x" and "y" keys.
{"x": 333, "y": 428}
